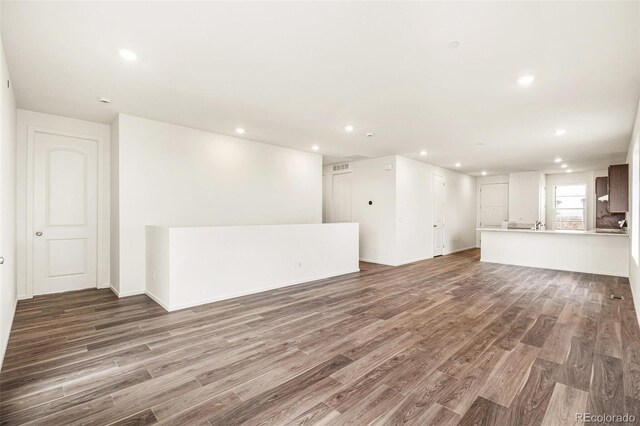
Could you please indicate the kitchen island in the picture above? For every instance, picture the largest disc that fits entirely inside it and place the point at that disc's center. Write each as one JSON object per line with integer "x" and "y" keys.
{"x": 578, "y": 251}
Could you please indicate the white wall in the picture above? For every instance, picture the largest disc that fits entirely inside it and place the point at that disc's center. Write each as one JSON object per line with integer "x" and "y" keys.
{"x": 8, "y": 283}
{"x": 176, "y": 176}
{"x": 415, "y": 210}
{"x": 373, "y": 180}
{"x": 634, "y": 228}
{"x": 157, "y": 265}
{"x": 459, "y": 213}
{"x": 398, "y": 227}
{"x": 27, "y": 120}
{"x": 485, "y": 180}
{"x": 114, "y": 185}
{"x": 526, "y": 197}
{"x": 188, "y": 266}
{"x": 588, "y": 178}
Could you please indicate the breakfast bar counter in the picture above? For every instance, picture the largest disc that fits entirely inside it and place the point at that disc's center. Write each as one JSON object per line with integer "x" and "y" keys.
{"x": 579, "y": 251}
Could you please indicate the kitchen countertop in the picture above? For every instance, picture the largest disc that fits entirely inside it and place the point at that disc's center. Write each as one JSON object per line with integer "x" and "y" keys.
{"x": 551, "y": 231}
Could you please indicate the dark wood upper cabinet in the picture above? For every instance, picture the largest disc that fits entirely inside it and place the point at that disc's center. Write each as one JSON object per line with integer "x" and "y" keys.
{"x": 602, "y": 186}
{"x": 619, "y": 188}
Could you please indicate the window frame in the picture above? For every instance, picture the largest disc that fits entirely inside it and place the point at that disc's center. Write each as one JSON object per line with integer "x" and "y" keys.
{"x": 585, "y": 225}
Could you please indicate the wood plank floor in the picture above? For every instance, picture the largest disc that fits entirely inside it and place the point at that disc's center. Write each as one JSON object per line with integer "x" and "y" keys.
{"x": 445, "y": 341}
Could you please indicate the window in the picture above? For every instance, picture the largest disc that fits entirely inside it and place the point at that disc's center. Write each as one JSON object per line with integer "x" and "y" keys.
{"x": 570, "y": 204}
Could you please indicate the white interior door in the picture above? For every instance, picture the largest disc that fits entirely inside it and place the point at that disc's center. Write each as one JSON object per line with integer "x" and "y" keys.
{"x": 438, "y": 215}
{"x": 341, "y": 199}
{"x": 494, "y": 204}
{"x": 65, "y": 190}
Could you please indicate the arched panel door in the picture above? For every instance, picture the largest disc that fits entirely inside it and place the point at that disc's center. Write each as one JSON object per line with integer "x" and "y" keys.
{"x": 65, "y": 190}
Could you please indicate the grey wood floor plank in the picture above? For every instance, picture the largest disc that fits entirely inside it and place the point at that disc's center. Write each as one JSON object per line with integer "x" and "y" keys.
{"x": 443, "y": 341}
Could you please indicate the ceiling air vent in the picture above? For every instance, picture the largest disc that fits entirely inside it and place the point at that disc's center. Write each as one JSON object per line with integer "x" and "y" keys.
{"x": 338, "y": 167}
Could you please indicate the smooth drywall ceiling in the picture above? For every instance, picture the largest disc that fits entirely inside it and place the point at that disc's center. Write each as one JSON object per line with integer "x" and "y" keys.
{"x": 170, "y": 175}
{"x": 295, "y": 73}
{"x": 8, "y": 281}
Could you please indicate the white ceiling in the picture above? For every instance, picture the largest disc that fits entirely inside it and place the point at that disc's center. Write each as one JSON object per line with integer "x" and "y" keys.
{"x": 295, "y": 73}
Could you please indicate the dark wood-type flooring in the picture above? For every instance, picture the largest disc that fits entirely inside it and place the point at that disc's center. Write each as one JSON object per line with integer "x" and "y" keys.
{"x": 440, "y": 342}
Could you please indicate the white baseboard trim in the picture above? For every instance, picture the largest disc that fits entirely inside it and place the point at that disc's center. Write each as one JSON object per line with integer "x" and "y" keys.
{"x": 377, "y": 262}
{"x": 24, "y": 297}
{"x": 459, "y": 250}
{"x": 413, "y": 261}
{"x": 158, "y": 300}
{"x": 3, "y": 349}
{"x": 418, "y": 259}
{"x": 260, "y": 290}
{"x": 131, "y": 293}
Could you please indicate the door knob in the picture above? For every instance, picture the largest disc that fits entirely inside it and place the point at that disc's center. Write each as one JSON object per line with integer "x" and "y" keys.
{"x": 1, "y": 260}
{"x": 39, "y": 233}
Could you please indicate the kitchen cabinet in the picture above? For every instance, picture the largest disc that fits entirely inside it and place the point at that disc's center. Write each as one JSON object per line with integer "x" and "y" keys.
{"x": 605, "y": 219}
{"x": 619, "y": 188}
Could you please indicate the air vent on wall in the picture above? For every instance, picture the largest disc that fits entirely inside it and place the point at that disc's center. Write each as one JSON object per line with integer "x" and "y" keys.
{"x": 338, "y": 167}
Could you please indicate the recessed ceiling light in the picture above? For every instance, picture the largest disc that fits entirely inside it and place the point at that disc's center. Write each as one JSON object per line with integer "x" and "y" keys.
{"x": 423, "y": 152}
{"x": 128, "y": 55}
{"x": 104, "y": 100}
{"x": 560, "y": 132}
{"x": 484, "y": 173}
{"x": 458, "y": 164}
{"x": 240, "y": 130}
{"x": 569, "y": 171}
{"x": 564, "y": 166}
{"x": 526, "y": 79}
{"x": 348, "y": 128}
{"x": 454, "y": 44}
{"x": 557, "y": 160}
{"x": 370, "y": 135}
{"x": 315, "y": 147}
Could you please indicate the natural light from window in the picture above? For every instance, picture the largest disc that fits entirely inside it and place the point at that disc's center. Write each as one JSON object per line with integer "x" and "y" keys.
{"x": 570, "y": 203}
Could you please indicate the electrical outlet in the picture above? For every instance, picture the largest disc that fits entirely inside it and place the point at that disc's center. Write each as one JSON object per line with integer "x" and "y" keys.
{"x": 297, "y": 264}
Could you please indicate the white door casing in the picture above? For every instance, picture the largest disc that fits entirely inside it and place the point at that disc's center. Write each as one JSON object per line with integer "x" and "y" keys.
{"x": 65, "y": 212}
{"x": 494, "y": 204}
{"x": 341, "y": 198}
{"x": 438, "y": 215}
